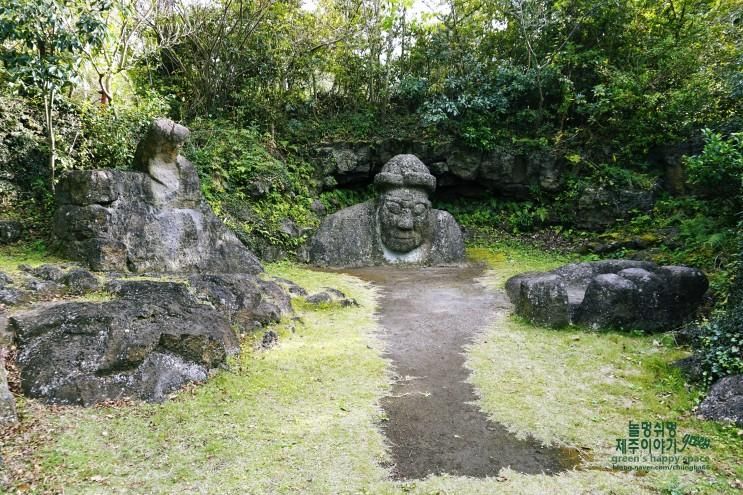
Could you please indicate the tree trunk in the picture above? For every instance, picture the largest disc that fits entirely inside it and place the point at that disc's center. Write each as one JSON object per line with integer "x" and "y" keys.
{"x": 49, "y": 121}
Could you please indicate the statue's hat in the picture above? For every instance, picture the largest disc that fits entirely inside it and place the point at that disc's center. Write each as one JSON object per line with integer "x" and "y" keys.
{"x": 405, "y": 171}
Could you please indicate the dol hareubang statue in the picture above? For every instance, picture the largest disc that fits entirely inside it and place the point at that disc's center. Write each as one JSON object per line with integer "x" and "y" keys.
{"x": 399, "y": 226}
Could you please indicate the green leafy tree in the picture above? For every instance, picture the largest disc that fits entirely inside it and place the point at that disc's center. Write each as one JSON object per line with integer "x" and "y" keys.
{"x": 43, "y": 42}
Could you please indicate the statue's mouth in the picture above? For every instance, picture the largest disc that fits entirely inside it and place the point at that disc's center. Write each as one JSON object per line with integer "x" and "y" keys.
{"x": 404, "y": 237}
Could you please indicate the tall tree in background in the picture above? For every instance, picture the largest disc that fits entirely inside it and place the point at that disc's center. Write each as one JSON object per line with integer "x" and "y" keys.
{"x": 135, "y": 30}
{"x": 42, "y": 44}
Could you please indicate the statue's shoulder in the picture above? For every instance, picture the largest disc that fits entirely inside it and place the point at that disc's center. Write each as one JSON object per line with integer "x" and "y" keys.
{"x": 346, "y": 238}
{"x": 445, "y": 220}
{"x": 355, "y": 213}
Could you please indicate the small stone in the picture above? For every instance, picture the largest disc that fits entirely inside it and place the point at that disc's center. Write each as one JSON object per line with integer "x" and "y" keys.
{"x": 318, "y": 208}
{"x": 43, "y": 288}
{"x": 50, "y": 273}
{"x": 330, "y": 295}
{"x": 80, "y": 281}
{"x": 13, "y": 297}
{"x": 269, "y": 339}
{"x": 319, "y": 298}
{"x": 291, "y": 287}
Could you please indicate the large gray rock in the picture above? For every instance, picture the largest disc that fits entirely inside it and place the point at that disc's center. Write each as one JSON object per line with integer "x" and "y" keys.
{"x": 153, "y": 338}
{"x": 542, "y": 299}
{"x": 399, "y": 226}
{"x": 724, "y": 402}
{"x": 150, "y": 220}
{"x": 610, "y": 301}
{"x": 246, "y": 301}
{"x": 150, "y": 341}
{"x": 609, "y": 294}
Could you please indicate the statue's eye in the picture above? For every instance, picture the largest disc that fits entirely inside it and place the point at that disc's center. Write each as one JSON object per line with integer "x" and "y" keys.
{"x": 393, "y": 208}
{"x": 420, "y": 209}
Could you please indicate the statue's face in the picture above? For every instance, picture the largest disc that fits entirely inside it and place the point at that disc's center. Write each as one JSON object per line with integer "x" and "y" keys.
{"x": 404, "y": 217}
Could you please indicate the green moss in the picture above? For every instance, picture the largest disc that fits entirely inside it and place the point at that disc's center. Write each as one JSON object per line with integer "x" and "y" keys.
{"x": 25, "y": 253}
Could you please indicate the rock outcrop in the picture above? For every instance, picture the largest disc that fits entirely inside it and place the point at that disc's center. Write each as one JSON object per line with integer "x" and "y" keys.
{"x": 724, "y": 402}
{"x": 151, "y": 220}
{"x": 149, "y": 341}
{"x": 599, "y": 207}
{"x": 508, "y": 173}
{"x": 45, "y": 282}
{"x": 399, "y": 226}
{"x": 609, "y": 294}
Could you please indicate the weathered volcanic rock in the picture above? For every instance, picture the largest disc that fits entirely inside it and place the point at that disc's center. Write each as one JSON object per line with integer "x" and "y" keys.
{"x": 80, "y": 281}
{"x": 609, "y": 294}
{"x": 150, "y": 220}
{"x": 247, "y": 301}
{"x": 724, "y": 402}
{"x": 147, "y": 343}
{"x": 541, "y": 298}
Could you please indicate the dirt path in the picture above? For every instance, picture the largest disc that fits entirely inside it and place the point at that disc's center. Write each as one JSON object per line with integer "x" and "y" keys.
{"x": 429, "y": 315}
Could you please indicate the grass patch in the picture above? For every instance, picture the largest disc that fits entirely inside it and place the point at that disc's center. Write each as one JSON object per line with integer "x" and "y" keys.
{"x": 579, "y": 388}
{"x": 25, "y": 253}
{"x": 303, "y": 417}
{"x": 299, "y": 418}
{"x": 507, "y": 259}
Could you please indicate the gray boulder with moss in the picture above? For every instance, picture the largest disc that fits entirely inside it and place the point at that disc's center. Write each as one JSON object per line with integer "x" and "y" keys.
{"x": 609, "y": 294}
{"x": 153, "y": 219}
{"x": 150, "y": 340}
{"x": 398, "y": 226}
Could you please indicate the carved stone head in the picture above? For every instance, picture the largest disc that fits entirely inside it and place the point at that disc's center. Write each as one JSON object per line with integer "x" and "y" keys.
{"x": 403, "y": 209}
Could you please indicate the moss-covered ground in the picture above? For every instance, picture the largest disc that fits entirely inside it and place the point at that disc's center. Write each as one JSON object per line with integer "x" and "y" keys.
{"x": 304, "y": 416}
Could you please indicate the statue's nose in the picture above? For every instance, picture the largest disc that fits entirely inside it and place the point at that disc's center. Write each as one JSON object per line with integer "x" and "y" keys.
{"x": 405, "y": 221}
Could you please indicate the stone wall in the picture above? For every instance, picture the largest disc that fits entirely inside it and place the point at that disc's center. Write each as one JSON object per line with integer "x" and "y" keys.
{"x": 458, "y": 168}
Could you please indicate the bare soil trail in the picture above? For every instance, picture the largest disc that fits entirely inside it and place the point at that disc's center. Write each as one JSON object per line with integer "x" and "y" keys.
{"x": 429, "y": 316}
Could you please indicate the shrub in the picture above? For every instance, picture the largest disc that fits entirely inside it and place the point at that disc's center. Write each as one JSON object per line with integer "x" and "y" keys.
{"x": 110, "y": 135}
{"x": 721, "y": 345}
{"x": 718, "y": 170}
{"x": 255, "y": 191}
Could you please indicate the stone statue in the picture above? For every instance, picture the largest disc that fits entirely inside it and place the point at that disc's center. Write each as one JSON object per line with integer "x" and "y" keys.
{"x": 399, "y": 226}
{"x": 152, "y": 219}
